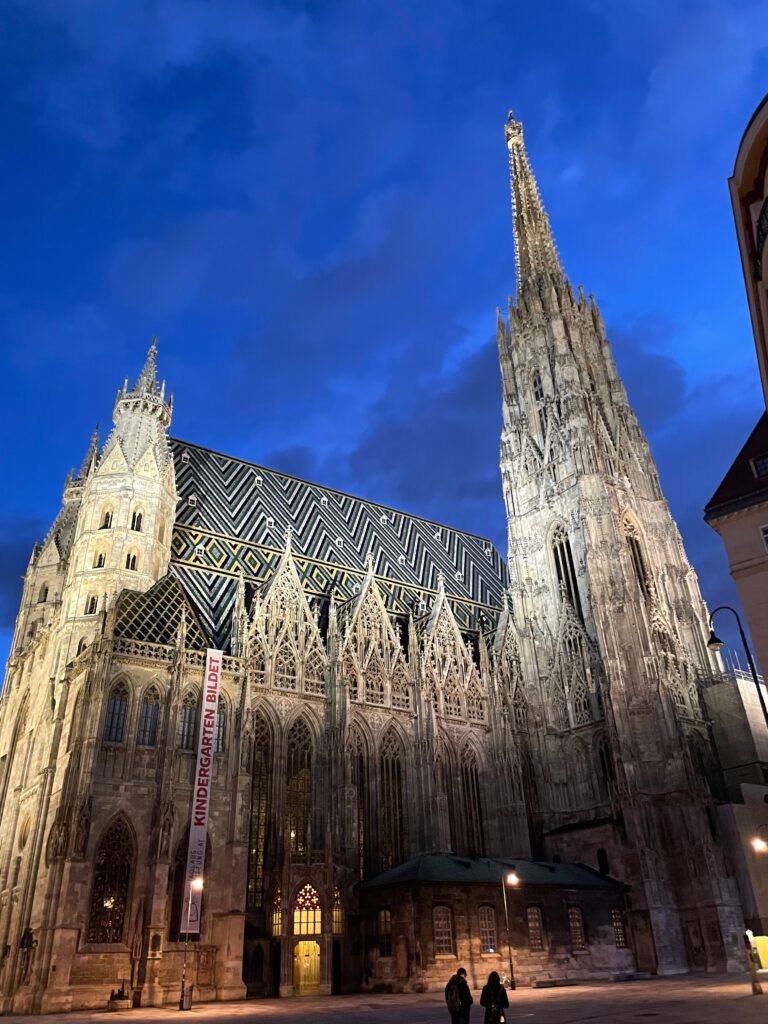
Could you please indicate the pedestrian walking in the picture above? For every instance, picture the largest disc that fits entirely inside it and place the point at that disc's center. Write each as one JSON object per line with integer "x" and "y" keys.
{"x": 494, "y": 999}
{"x": 458, "y": 998}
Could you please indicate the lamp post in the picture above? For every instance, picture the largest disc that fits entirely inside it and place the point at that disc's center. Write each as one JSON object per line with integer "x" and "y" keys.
{"x": 513, "y": 880}
{"x": 195, "y": 885}
{"x": 716, "y": 644}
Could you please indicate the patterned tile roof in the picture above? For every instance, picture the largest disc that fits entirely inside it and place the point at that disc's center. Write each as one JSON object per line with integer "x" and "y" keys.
{"x": 232, "y": 517}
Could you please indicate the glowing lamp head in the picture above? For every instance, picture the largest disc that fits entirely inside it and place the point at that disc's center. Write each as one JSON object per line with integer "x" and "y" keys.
{"x": 197, "y": 884}
{"x": 513, "y": 878}
{"x": 759, "y": 845}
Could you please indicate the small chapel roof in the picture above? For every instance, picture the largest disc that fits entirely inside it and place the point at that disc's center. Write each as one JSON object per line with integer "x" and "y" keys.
{"x": 451, "y": 869}
{"x": 232, "y": 519}
{"x": 743, "y": 485}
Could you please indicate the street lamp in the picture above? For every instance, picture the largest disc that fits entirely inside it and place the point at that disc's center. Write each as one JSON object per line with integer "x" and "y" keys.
{"x": 511, "y": 879}
{"x": 716, "y": 644}
{"x": 196, "y": 885}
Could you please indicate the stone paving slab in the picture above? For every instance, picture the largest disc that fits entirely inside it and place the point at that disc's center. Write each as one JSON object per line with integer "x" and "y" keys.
{"x": 690, "y": 1000}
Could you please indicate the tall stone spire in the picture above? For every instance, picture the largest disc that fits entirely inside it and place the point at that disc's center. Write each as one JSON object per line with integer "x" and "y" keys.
{"x": 536, "y": 257}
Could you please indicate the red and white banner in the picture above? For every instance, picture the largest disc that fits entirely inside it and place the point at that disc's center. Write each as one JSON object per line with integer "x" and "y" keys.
{"x": 201, "y": 794}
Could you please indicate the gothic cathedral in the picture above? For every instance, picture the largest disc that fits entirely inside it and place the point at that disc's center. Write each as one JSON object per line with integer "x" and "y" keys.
{"x": 422, "y": 755}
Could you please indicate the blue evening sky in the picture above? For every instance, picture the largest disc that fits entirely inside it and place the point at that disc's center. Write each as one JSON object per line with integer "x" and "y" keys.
{"x": 308, "y": 203}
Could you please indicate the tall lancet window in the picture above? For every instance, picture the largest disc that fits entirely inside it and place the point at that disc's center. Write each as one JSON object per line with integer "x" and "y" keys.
{"x": 539, "y": 402}
{"x": 473, "y": 812}
{"x": 359, "y": 778}
{"x": 111, "y": 884}
{"x": 391, "y": 805}
{"x": 261, "y": 767}
{"x": 299, "y": 786}
{"x": 636, "y": 553}
{"x": 565, "y": 569}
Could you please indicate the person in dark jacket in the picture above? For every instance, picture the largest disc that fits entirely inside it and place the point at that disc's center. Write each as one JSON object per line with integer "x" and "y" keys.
{"x": 494, "y": 999}
{"x": 458, "y": 998}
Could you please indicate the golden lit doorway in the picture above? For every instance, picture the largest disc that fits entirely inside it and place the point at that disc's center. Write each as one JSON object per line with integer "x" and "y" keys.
{"x": 306, "y": 968}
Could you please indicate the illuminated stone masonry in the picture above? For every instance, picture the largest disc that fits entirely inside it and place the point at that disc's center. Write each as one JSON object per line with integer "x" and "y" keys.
{"x": 400, "y": 718}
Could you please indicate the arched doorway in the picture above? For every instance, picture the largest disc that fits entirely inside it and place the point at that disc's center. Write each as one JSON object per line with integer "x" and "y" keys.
{"x": 307, "y": 921}
{"x": 306, "y": 967}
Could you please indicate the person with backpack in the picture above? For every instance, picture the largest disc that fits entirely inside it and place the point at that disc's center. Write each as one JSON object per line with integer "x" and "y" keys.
{"x": 495, "y": 1000}
{"x": 458, "y": 998}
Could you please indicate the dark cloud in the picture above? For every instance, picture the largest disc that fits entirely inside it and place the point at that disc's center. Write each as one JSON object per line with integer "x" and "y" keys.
{"x": 17, "y": 537}
{"x": 655, "y": 379}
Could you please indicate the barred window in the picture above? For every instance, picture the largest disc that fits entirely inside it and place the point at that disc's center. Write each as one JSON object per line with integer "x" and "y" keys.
{"x": 188, "y": 721}
{"x": 111, "y": 884}
{"x": 117, "y": 707}
{"x": 148, "y": 718}
{"x": 535, "y": 930}
{"x": 391, "y": 810}
{"x": 299, "y": 785}
{"x": 619, "y": 928}
{"x": 307, "y": 916}
{"x": 442, "y": 925}
{"x": 384, "y": 931}
{"x": 576, "y": 925}
{"x": 220, "y": 744}
{"x": 487, "y": 919}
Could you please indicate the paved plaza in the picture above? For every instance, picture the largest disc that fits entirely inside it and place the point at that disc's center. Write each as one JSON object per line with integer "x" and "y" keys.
{"x": 688, "y": 1000}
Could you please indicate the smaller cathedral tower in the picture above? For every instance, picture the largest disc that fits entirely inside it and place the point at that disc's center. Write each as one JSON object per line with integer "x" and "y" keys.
{"x": 127, "y": 502}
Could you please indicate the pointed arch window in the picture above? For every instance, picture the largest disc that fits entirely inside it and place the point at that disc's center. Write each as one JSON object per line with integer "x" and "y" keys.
{"x": 260, "y": 779}
{"x": 632, "y": 536}
{"x": 307, "y": 915}
{"x": 149, "y": 716}
{"x": 473, "y": 811}
{"x": 42, "y": 597}
{"x": 338, "y": 912}
{"x": 401, "y": 692}
{"x": 220, "y": 741}
{"x": 131, "y": 562}
{"x": 112, "y": 869}
{"x": 106, "y": 519}
{"x": 187, "y": 721}
{"x": 359, "y": 778}
{"x": 391, "y": 809}
{"x": 82, "y": 644}
{"x": 277, "y": 911}
{"x": 99, "y": 560}
{"x": 445, "y": 776}
{"x": 475, "y": 703}
{"x": 285, "y": 667}
{"x": 299, "y": 786}
{"x": 373, "y": 677}
{"x": 91, "y": 605}
{"x": 136, "y": 520}
{"x": 539, "y": 400}
{"x": 605, "y": 776}
{"x": 565, "y": 569}
{"x": 117, "y": 708}
{"x": 314, "y": 672}
{"x": 519, "y": 710}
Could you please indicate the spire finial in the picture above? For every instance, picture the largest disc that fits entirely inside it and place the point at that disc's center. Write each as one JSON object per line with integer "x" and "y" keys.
{"x": 288, "y": 534}
{"x": 536, "y": 255}
{"x": 147, "y": 380}
{"x": 90, "y": 455}
{"x": 440, "y": 580}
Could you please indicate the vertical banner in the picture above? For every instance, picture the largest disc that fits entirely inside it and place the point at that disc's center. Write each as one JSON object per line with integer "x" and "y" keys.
{"x": 201, "y": 793}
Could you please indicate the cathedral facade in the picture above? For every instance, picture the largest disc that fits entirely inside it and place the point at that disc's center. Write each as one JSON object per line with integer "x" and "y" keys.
{"x": 422, "y": 754}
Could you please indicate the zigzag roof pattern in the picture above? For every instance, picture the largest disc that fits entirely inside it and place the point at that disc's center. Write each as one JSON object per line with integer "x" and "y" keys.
{"x": 237, "y": 520}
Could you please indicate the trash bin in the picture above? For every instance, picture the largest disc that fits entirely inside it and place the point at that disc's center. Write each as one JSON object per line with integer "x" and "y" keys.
{"x": 186, "y": 1002}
